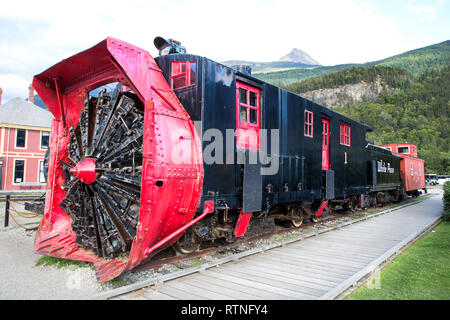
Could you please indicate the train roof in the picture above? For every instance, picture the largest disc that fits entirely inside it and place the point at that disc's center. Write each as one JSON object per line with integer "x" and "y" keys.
{"x": 331, "y": 112}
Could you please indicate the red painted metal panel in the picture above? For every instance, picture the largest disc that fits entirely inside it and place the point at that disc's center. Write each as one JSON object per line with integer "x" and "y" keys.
{"x": 247, "y": 132}
{"x": 325, "y": 144}
{"x": 171, "y": 152}
{"x": 412, "y": 172}
{"x": 412, "y": 169}
{"x": 322, "y": 206}
{"x": 345, "y": 137}
{"x": 242, "y": 224}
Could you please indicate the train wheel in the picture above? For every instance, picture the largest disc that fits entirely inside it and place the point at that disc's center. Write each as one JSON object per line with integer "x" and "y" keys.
{"x": 353, "y": 204}
{"x": 184, "y": 249}
{"x": 298, "y": 223}
{"x": 296, "y": 212}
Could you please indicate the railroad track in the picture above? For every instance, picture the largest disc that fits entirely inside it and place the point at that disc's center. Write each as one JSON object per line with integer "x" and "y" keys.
{"x": 122, "y": 291}
{"x": 17, "y": 197}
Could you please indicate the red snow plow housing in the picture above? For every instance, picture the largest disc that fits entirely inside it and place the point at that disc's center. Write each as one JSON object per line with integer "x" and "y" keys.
{"x": 171, "y": 173}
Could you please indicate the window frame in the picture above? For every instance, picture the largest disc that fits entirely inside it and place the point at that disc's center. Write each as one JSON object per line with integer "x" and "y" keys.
{"x": 308, "y": 124}
{"x": 14, "y": 171}
{"x": 409, "y": 150}
{"x": 246, "y": 124}
{"x": 345, "y": 135}
{"x": 186, "y": 73}
{"x": 40, "y": 141}
{"x": 39, "y": 171}
{"x": 25, "y": 139}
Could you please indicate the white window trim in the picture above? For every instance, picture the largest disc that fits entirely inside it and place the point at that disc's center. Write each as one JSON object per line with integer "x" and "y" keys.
{"x": 40, "y": 140}
{"x": 24, "y": 171}
{"x": 409, "y": 150}
{"x": 26, "y": 139}
{"x": 39, "y": 171}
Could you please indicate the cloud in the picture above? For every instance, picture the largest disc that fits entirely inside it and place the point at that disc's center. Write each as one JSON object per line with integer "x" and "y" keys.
{"x": 38, "y": 34}
{"x": 17, "y": 86}
{"x": 426, "y": 13}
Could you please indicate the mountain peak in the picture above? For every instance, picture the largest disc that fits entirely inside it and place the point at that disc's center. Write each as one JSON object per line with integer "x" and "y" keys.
{"x": 297, "y": 55}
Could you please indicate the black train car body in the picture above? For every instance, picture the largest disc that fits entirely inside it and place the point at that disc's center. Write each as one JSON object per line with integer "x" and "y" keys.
{"x": 299, "y": 135}
{"x": 383, "y": 177}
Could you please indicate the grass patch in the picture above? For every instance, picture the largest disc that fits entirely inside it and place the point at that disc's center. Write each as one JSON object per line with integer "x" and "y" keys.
{"x": 117, "y": 282}
{"x": 61, "y": 263}
{"x": 422, "y": 272}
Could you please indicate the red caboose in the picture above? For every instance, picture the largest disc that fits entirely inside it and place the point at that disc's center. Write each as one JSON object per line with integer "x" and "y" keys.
{"x": 412, "y": 169}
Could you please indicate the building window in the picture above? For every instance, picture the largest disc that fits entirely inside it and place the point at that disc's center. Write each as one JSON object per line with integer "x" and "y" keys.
{"x": 183, "y": 74}
{"x": 19, "y": 171}
{"x": 345, "y": 135}
{"x": 41, "y": 172}
{"x": 308, "y": 124}
{"x": 45, "y": 135}
{"x": 404, "y": 149}
{"x": 248, "y": 106}
{"x": 412, "y": 169}
{"x": 20, "y": 138}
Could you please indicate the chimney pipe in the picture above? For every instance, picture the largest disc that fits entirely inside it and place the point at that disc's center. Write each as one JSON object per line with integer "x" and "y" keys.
{"x": 31, "y": 93}
{"x": 1, "y": 91}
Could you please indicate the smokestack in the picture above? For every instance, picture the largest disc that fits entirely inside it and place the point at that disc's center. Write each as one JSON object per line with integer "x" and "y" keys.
{"x": 31, "y": 93}
{"x": 1, "y": 91}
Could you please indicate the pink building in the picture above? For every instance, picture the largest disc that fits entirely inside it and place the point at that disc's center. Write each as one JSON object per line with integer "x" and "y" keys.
{"x": 24, "y": 139}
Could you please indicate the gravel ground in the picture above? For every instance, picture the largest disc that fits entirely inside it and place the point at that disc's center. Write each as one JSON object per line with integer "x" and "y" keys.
{"x": 20, "y": 278}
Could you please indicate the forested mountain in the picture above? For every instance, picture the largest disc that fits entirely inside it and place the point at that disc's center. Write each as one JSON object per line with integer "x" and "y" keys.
{"x": 420, "y": 60}
{"x": 415, "y": 62}
{"x": 268, "y": 66}
{"x": 294, "y": 75}
{"x": 406, "y": 98}
{"x": 416, "y": 112}
{"x": 391, "y": 76}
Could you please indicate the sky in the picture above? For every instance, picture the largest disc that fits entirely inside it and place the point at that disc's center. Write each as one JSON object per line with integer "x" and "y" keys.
{"x": 34, "y": 35}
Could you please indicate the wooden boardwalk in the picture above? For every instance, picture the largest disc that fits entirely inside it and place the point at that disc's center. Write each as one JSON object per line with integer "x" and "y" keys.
{"x": 319, "y": 267}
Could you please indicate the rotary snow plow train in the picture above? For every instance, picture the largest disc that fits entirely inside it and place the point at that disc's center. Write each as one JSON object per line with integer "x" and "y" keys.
{"x": 130, "y": 175}
{"x": 116, "y": 195}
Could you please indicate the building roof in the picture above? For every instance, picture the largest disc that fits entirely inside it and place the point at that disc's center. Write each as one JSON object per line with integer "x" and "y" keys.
{"x": 20, "y": 112}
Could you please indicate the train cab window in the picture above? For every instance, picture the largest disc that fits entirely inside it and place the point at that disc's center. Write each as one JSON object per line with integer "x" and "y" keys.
{"x": 404, "y": 149}
{"x": 248, "y": 116}
{"x": 345, "y": 135}
{"x": 183, "y": 74}
{"x": 308, "y": 124}
{"x": 412, "y": 169}
{"x": 420, "y": 170}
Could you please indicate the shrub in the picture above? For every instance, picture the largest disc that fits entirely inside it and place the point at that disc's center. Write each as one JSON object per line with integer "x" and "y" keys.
{"x": 446, "y": 213}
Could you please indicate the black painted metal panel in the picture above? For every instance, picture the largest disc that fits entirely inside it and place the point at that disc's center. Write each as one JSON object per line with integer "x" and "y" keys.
{"x": 252, "y": 189}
